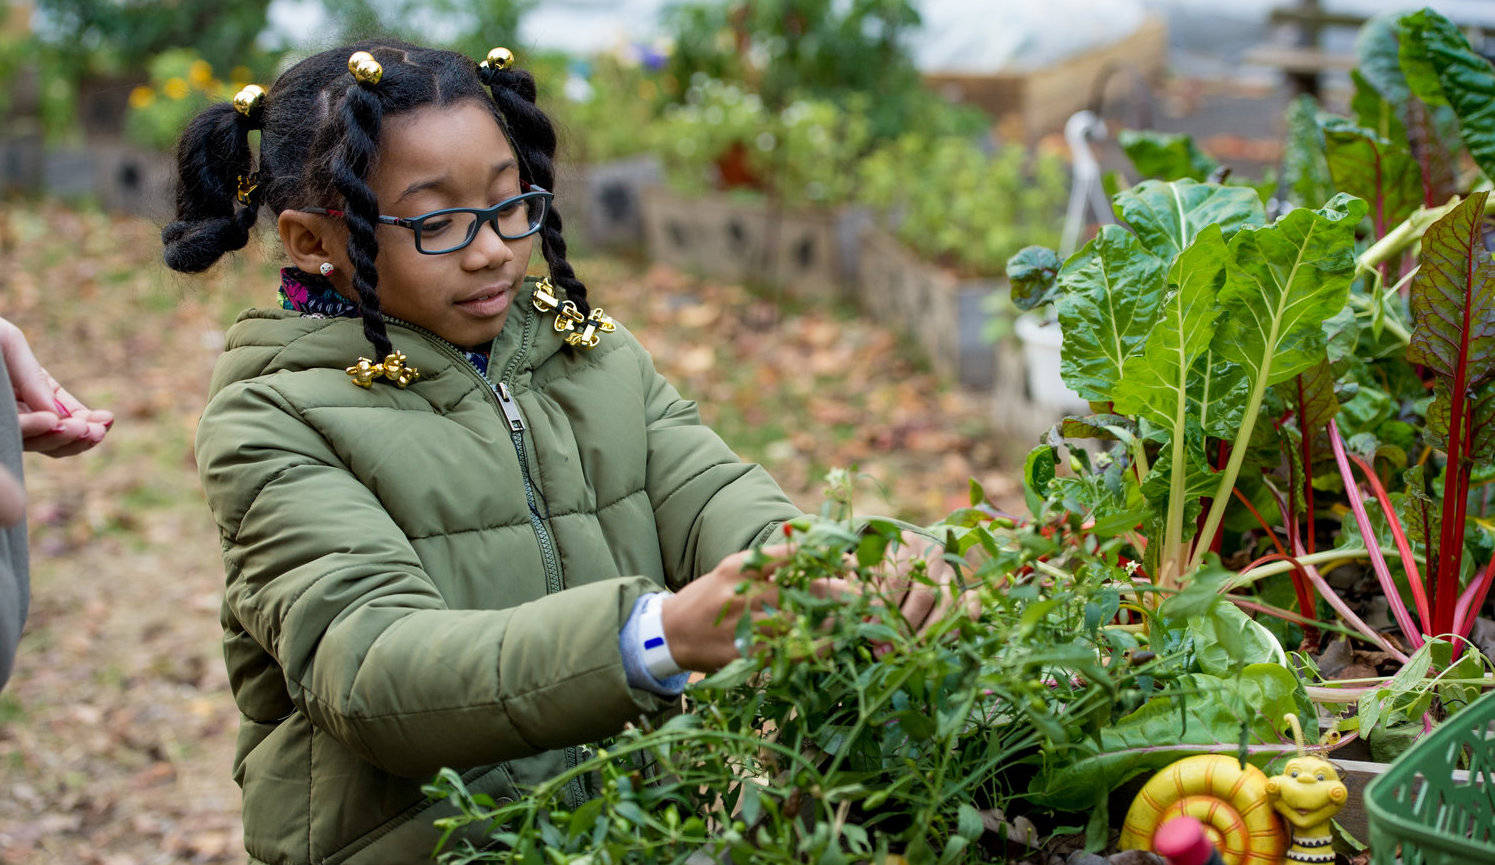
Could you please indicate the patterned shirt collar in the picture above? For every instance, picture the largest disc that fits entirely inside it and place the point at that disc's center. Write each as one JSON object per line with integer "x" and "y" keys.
{"x": 309, "y": 296}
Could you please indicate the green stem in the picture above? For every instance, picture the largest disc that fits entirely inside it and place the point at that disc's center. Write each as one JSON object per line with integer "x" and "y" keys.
{"x": 1310, "y": 559}
{"x": 1233, "y": 468}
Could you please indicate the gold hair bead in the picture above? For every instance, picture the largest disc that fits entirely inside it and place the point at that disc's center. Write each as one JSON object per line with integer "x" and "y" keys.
{"x": 365, "y": 69}
{"x": 499, "y": 58}
{"x": 249, "y": 100}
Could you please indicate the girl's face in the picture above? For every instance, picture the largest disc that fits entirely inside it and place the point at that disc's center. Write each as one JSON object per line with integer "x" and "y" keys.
{"x": 435, "y": 158}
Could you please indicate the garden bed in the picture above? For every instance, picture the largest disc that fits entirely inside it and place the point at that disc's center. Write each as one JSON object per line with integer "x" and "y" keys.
{"x": 748, "y": 240}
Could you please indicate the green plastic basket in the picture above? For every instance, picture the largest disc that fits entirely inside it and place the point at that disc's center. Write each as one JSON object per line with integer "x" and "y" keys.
{"x": 1418, "y": 808}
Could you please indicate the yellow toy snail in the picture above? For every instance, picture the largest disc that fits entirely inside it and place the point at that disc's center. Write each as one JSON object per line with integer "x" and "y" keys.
{"x": 1308, "y": 794}
{"x": 1230, "y": 800}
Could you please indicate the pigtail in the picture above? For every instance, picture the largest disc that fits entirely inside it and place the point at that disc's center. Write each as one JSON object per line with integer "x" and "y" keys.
{"x": 356, "y": 122}
{"x": 534, "y": 140}
{"x": 212, "y": 155}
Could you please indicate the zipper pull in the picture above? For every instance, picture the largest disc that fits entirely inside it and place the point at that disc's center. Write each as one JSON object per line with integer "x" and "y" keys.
{"x": 510, "y": 408}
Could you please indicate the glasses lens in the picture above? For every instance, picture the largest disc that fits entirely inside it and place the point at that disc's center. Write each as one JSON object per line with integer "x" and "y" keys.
{"x": 447, "y": 232}
{"x": 522, "y": 217}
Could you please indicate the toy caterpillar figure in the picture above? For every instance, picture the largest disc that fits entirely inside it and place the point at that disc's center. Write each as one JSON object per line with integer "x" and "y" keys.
{"x": 1308, "y": 794}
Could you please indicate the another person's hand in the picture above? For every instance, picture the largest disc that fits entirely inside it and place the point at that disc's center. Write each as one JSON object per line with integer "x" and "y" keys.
{"x": 52, "y": 421}
{"x": 700, "y": 621}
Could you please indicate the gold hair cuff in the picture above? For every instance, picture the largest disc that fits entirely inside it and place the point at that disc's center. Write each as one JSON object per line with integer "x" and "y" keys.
{"x": 568, "y": 318}
{"x": 366, "y": 70}
{"x": 498, "y": 58}
{"x": 250, "y": 100}
{"x": 248, "y": 185}
{"x": 366, "y": 372}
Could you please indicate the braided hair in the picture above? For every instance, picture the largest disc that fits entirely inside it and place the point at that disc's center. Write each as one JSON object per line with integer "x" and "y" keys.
{"x": 319, "y": 142}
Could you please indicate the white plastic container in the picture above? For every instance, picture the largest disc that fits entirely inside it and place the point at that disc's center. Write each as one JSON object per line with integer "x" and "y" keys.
{"x": 1041, "y": 342}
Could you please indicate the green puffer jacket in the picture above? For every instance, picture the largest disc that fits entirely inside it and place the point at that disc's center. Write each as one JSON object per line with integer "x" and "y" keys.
{"x": 396, "y": 561}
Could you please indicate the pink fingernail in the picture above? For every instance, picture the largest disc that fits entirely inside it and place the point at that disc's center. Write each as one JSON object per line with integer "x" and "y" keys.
{"x": 61, "y": 409}
{"x": 108, "y": 423}
{"x": 59, "y": 428}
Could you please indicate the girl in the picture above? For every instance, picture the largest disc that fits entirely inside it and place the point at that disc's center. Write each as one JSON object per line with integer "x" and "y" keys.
{"x": 454, "y": 550}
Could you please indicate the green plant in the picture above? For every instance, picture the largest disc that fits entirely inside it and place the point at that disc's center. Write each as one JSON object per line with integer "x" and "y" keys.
{"x": 722, "y": 137}
{"x": 844, "y": 737}
{"x": 464, "y": 26}
{"x": 102, "y": 37}
{"x": 953, "y": 202}
{"x": 1225, "y": 352}
{"x": 603, "y": 105}
{"x": 181, "y": 84}
{"x": 785, "y": 50}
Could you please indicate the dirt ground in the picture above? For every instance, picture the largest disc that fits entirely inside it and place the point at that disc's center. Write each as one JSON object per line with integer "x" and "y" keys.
{"x": 117, "y": 728}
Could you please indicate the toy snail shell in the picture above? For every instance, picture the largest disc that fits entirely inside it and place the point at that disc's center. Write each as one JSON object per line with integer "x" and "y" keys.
{"x": 1231, "y": 802}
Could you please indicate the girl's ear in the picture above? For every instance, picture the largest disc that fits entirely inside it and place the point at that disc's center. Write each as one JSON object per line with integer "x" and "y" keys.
{"x": 311, "y": 239}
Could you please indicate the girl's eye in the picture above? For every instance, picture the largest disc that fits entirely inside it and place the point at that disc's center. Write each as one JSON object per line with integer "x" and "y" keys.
{"x": 433, "y": 227}
{"x": 508, "y": 210}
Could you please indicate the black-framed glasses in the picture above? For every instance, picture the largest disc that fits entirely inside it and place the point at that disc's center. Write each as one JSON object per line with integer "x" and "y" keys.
{"x": 449, "y": 230}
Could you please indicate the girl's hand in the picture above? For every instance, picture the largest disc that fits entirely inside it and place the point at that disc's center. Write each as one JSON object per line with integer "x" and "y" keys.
{"x": 923, "y": 602}
{"x": 700, "y": 621}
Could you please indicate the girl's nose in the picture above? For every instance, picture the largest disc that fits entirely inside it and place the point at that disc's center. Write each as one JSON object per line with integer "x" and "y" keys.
{"x": 487, "y": 248}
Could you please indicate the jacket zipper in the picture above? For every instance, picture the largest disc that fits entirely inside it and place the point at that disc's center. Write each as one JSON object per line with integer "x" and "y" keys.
{"x": 576, "y": 792}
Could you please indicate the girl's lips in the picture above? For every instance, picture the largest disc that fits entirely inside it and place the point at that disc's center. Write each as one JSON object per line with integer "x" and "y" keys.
{"x": 487, "y": 304}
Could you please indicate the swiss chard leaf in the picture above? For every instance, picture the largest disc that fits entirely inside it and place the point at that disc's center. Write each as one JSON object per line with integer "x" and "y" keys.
{"x": 1032, "y": 272}
{"x": 1441, "y": 67}
{"x": 1154, "y": 382}
{"x": 1287, "y": 279}
{"x": 1165, "y": 155}
{"x": 1168, "y": 216}
{"x": 1305, "y": 170}
{"x": 1377, "y": 48}
{"x": 1370, "y": 166}
{"x": 1453, "y": 298}
{"x": 1311, "y": 395}
{"x": 1111, "y": 290}
{"x": 1206, "y": 714}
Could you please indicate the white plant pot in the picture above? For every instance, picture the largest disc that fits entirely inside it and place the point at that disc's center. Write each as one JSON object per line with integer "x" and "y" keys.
{"x": 1041, "y": 342}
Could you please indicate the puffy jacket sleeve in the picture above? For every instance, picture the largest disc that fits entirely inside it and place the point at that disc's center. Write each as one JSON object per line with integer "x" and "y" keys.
{"x": 329, "y": 586}
{"x": 707, "y": 502}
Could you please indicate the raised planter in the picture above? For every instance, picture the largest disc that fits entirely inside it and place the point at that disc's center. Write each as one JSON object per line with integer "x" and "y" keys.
{"x": 796, "y": 252}
{"x": 605, "y": 200}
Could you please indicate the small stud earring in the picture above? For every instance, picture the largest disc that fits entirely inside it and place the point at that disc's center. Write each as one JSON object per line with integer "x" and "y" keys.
{"x": 327, "y": 268}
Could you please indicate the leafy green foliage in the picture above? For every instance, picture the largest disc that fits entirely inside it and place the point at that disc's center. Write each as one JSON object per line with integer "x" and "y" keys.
{"x": 785, "y": 50}
{"x": 107, "y": 37}
{"x": 952, "y": 202}
{"x": 842, "y": 736}
{"x": 475, "y": 27}
{"x": 1165, "y": 156}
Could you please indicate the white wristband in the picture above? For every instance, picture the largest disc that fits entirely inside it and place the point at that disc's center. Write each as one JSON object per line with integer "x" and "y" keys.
{"x": 656, "y": 649}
